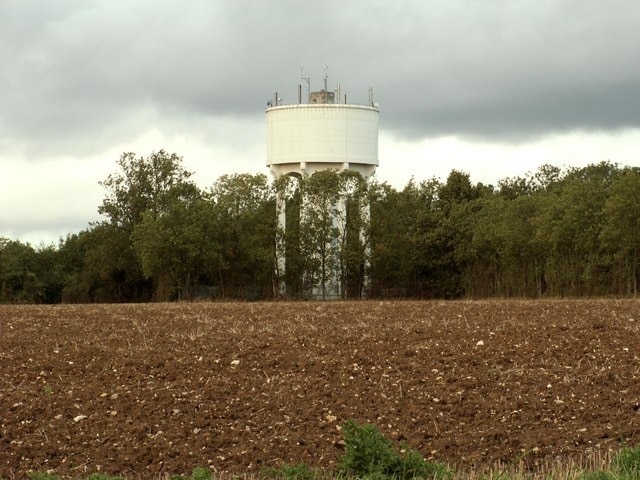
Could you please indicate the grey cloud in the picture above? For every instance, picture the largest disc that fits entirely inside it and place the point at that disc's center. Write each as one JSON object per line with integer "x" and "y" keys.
{"x": 78, "y": 76}
{"x": 522, "y": 116}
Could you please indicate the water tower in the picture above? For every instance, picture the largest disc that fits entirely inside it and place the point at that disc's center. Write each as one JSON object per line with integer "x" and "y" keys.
{"x": 323, "y": 132}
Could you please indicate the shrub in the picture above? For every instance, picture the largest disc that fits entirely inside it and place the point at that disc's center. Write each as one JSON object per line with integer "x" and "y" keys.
{"x": 366, "y": 450}
{"x": 370, "y": 454}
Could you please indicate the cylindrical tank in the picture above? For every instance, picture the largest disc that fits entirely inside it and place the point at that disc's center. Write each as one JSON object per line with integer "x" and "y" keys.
{"x": 305, "y": 138}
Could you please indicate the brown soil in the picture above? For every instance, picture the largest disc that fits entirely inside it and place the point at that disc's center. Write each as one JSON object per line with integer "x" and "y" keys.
{"x": 144, "y": 390}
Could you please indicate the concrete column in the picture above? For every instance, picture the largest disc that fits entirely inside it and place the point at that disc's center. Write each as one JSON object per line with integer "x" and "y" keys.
{"x": 281, "y": 212}
{"x": 365, "y": 215}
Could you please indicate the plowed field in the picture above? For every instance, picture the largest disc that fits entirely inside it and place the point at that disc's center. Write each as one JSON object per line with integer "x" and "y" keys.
{"x": 144, "y": 390}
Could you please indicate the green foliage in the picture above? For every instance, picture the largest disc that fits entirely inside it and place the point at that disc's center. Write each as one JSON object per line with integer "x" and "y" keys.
{"x": 20, "y": 273}
{"x": 172, "y": 248}
{"x": 366, "y": 450}
{"x": 326, "y": 234}
{"x": 144, "y": 184}
{"x": 198, "y": 473}
{"x": 102, "y": 476}
{"x": 106, "y": 268}
{"x": 319, "y": 229}
{"x": 201, "y": 473}
{"x": 288, "y": 239}
{"x": 627, "y": 462}
{"x": 549, "y": 233}
{"x": 620, "y": 235}
{"x": 243, "y": 235}
{"x": 42, "y": 476}
{"x": 145, "y": 189}
{"x": 300, "y": 471}
{"x": 370, "y": 454}
{"x": 411, "y": 464}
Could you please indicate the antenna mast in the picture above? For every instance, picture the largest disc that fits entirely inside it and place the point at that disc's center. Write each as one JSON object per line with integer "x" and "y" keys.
{"x": 307, "y": 79}
{"x": 326, "y": 75}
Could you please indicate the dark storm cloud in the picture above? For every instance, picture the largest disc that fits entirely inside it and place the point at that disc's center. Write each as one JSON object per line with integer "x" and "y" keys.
{"x": 521, "y": 117}
{"x": 78, "y": 76}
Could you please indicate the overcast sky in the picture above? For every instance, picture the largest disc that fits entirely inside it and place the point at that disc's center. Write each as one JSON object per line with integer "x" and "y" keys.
{"x": 495, "y": 88}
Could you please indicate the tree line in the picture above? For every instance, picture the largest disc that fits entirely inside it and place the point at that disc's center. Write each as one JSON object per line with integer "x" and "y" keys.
{"x": 550, "y": 233}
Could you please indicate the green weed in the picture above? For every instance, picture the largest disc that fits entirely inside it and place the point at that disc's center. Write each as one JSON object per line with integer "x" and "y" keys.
{"x": 198, "y": 473}
{"x": 42, "y": 476}
{"x": 102, "y": 476}
{"x": 366, "y": 451}
{"x": 369, "y": 454}
{"x": 300, "y": 471}
{"x": 627, "y": 462}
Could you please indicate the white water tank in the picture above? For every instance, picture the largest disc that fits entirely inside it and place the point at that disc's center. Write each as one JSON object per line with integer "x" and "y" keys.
{"x": 305, "y": 138}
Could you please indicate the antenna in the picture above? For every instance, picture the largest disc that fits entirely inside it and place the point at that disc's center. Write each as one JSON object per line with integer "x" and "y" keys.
{"x": 325, "y": 70}
{"x": 307, "y": 79}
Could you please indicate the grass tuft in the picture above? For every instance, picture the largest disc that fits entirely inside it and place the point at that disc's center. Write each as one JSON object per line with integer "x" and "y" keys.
{"x": 42, "y": 476}
{"x": 300, "y": 471}
{"x": 627, "y": 462}
{"x": 198, "y": 473}
{"x": 102, "y": 476}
